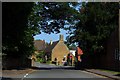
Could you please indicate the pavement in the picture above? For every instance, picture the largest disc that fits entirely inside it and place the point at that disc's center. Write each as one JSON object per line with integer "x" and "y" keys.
{"x": 15, "y": 73}
{"x": 111, "y": 75}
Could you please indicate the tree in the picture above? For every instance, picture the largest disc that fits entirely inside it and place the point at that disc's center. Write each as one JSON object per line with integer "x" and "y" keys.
{"x": 17, "y": 39}
{"x": 51, "y": 17}
{"x": 96, "y": 23}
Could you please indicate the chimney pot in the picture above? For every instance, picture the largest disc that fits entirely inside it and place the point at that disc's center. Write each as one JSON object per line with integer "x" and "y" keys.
{"x": 51, "y": 42}
{"x": 61, "y": 38}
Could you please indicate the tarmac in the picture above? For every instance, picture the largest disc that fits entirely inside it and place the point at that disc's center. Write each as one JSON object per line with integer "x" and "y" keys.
{"x": 15, "y": 73}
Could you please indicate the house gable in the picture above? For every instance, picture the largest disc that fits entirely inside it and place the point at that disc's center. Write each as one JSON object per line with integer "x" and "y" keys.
{"x": 60, "y": 51}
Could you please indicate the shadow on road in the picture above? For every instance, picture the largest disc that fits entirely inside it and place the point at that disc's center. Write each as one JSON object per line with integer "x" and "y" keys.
{"x": 117, "y": 75}
{"x": 49, "y": 68}
{"x": 4, "y": 78}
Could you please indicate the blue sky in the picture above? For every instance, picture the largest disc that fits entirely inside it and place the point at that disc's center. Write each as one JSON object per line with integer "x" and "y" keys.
{"x": 48, "y": 37}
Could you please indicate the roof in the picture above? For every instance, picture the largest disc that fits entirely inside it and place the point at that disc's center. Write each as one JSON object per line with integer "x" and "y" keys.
{"x": 39, "y": 44}
{"x": 50, "y": 47}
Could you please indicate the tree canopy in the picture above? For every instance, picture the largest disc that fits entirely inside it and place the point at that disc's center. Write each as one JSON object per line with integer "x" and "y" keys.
{"x": 97, "y": 22}
{"x": 89, "y": 24}
{"x": 51, "y": 17}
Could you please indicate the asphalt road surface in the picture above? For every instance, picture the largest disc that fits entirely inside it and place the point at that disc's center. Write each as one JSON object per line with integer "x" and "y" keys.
{"x": 53, "y": 72}
{"x": 46, "y": 71}
{"x": 61, "y": 73}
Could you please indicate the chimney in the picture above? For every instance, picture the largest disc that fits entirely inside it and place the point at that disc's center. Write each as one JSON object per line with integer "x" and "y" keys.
{"x": 61, "y": 38}
{"x": 51, "y": 42}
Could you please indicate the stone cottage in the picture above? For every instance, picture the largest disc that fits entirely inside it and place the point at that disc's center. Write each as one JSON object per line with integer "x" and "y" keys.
{"x": 57, "y": 51}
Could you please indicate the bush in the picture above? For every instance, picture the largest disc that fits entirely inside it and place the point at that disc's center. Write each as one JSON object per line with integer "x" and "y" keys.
{"x": 40, "y": 57}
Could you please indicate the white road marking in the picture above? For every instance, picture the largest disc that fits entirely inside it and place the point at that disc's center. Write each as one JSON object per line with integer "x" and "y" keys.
{"x": 26, "y": 75}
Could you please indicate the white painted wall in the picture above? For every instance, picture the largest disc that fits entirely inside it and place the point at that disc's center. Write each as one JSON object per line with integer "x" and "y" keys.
{"x": 73, "y": 52}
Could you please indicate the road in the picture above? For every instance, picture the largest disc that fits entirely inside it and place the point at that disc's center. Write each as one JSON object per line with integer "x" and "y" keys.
{"x": 47, "y": 72}
{"x": 51, "y": 71}
{"x": 60, "y": 73}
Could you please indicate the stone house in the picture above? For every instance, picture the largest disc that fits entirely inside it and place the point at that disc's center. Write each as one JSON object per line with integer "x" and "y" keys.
{"x": 57, "y": 51}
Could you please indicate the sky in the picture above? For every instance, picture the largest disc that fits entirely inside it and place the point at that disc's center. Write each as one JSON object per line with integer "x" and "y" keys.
{"x": 53, "y": 37}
